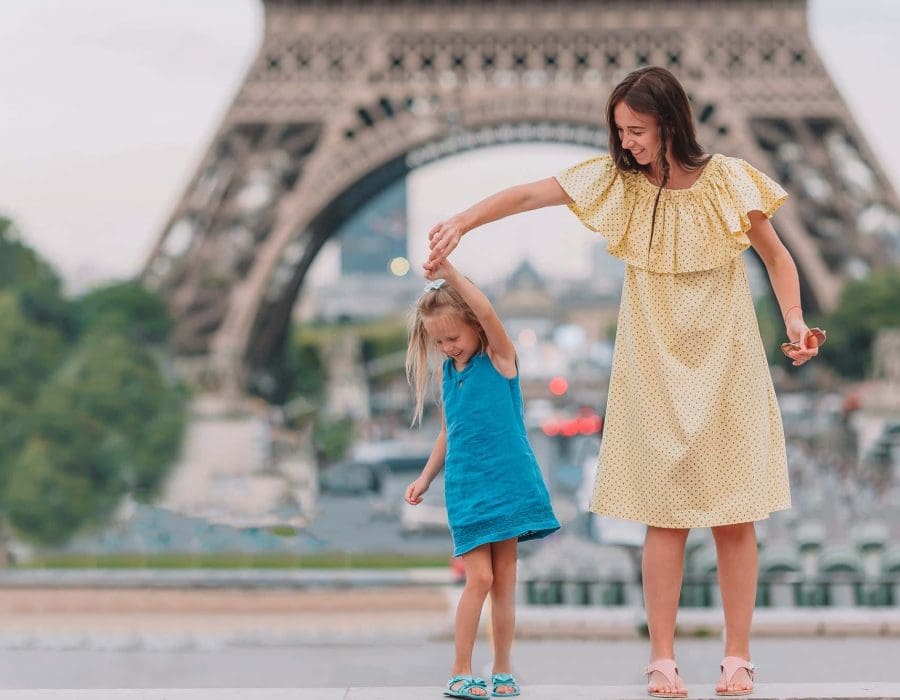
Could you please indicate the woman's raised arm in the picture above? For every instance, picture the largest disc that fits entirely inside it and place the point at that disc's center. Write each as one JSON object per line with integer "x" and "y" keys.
{"x": 445, "y": 236}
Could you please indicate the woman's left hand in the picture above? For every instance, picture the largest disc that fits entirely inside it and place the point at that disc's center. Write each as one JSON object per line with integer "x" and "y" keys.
{"x": 807, "y": 345}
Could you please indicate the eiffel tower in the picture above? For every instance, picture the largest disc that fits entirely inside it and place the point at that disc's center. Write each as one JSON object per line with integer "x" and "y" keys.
{"x": 344, "y": 98}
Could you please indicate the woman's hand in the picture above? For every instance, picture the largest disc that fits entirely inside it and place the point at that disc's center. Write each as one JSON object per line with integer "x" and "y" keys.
{"x": 804, "y": 341}
{"x": 416, "y": 490}
{"x": 444, "y": 237}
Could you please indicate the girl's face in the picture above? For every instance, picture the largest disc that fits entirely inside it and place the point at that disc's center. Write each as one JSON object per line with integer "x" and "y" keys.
{"x": 637, "y": 132}
{"x": 453, "y": 336}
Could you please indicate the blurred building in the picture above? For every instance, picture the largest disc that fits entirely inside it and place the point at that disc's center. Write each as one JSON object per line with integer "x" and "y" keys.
{"x": 375, "y": 235}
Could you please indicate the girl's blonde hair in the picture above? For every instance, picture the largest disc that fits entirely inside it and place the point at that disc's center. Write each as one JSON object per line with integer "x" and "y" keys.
{"x": 421, "y": 364}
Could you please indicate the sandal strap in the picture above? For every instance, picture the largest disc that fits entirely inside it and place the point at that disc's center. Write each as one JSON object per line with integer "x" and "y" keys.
{"x": 467, "y": 683}
{"x": 732, "y": 664}
{"x": 666, "y": 667}
{"x": 503, "y": 679}
{"x": 507, "y": 679}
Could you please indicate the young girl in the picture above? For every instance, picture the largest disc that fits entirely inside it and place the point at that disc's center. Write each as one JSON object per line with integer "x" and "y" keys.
{"x": 494, "y": 489}
{"x": 693, "y": 435}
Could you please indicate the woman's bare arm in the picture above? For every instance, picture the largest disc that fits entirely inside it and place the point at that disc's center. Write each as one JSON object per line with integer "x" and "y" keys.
{"x": 445, "y": 236}
{"x": 785, "y": 281}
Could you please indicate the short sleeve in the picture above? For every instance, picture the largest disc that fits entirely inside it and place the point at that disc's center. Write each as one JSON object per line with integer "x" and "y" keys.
{"x": 750, "y": 190}
{"x": 598, "y": 196}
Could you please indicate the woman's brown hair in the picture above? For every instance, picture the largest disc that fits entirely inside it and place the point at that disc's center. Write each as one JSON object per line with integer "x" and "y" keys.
{"x": 656, "y": 92}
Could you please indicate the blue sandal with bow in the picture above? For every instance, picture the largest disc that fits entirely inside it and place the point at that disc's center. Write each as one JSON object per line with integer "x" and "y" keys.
{"x": 464, "y": 689}
{"x": 501, "y": 679}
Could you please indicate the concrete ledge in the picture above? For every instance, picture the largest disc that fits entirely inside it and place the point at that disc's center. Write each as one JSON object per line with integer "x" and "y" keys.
{"x": 570, "y": 622}
{"x": 770, "y": 691}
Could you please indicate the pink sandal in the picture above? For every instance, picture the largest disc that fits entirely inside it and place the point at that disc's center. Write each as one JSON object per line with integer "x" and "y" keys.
{"x": 731, "y": 665}
{"x": 668, "y": 669}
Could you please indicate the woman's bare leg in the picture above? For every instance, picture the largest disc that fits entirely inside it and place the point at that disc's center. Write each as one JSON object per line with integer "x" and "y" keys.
{"x": 663, "y": 571}
{"x": 736, "y": 553}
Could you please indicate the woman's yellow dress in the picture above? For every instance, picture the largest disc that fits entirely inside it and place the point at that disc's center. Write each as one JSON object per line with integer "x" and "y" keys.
{"x": 692, "y": 434}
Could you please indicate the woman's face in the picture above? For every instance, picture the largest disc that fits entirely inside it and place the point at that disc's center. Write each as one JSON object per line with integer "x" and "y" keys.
{"x": 638, "y": 133}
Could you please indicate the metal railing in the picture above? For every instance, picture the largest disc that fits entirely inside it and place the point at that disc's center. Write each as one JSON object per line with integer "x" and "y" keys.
{"x": 702, "y": 591}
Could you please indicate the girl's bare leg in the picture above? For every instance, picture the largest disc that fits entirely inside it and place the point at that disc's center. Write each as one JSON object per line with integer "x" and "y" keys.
{"x": 479, "y": 579}
{"x": 503, "y": 605}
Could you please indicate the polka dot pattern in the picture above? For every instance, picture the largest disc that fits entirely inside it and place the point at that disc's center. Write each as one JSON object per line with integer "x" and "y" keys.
{"x": 699, "y": 228}
{"x": 692, "y": 435}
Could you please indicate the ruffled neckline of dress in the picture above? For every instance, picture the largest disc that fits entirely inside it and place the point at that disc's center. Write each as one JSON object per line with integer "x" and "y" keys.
{"x": 705, "y": 173}
{"x": 698, "y": 228}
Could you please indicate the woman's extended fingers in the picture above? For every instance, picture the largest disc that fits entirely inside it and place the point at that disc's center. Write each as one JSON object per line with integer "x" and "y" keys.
{"x": 442, "y": 239}
{"x": 435, "y": 235}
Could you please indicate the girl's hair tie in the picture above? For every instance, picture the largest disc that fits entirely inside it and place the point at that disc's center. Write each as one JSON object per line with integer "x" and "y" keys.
{"x": 434, "y": 284}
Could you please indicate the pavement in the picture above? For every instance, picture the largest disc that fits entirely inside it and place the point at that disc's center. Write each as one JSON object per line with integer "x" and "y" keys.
{"x": 773, "y": 691}
{"x": 199, "y": 617}
{"x": 363, "y": 643}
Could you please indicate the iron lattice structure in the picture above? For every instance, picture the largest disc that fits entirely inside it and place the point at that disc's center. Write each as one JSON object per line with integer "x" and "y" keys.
{"x": 343, "y": 98}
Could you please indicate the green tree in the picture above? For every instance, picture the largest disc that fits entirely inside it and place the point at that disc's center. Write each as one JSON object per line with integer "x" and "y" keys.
{"x": 157, "y": 447}
{"x": 29, "y": 351}
{"x": 116, "y": 395}
{"x": 308, "y": 370}
{"x": 865, "y": 307}
{"x": 33, "y": 280}
{"x": 48, "y": 497}
{"x": 87, "y": 413}
{"x": 14, "y": 416}
{"x": 332, "y": 437}
{"x": 127, "y": 308}
{"x": 771, "y": 326}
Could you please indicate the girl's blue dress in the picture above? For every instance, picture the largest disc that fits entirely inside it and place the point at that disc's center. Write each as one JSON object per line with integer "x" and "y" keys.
{"x": 493, "y": 484}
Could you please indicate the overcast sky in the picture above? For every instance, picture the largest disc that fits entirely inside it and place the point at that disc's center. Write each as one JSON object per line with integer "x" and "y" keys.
{"x": 106, "y": 107}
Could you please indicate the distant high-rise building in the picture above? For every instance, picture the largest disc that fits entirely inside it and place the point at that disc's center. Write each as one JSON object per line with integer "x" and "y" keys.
{"x": 376, "y": 234}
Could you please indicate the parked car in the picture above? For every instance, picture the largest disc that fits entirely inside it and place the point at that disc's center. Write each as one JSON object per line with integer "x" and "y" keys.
{"x": 392, "y": 460}
{"x": 349, "y": 478}
{"x": 430, "y": 515}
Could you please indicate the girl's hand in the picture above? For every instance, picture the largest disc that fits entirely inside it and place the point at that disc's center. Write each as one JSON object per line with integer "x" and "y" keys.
{"x": 440, "y": 269}
{"x": 444, "y": 237}
{"x": 415, "y": 491}
{"x": 799, "y": 334}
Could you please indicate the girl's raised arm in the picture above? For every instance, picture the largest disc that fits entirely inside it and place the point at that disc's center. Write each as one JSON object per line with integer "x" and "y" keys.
{"x": 500, "y": 346}
{"x": 445, "y": 236}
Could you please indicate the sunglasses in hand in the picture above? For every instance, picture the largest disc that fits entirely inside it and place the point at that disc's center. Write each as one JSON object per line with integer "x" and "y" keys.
{"x": 795, "y": 346}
